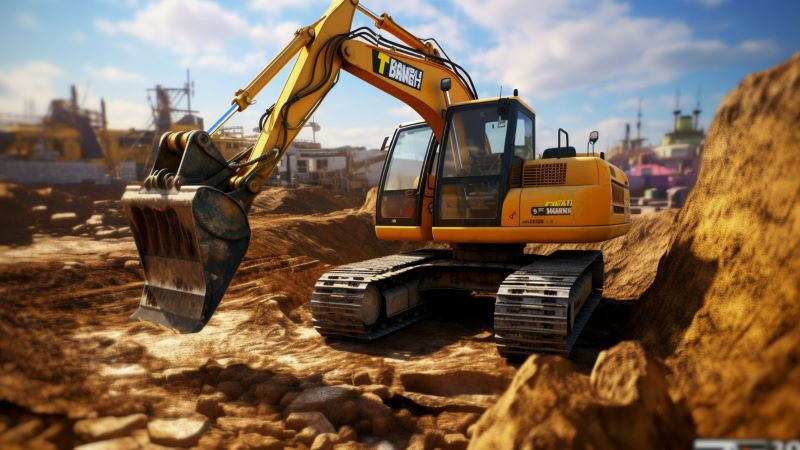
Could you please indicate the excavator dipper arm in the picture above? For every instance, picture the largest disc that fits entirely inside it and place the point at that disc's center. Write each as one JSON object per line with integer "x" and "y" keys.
{"x": 189, "y": 218}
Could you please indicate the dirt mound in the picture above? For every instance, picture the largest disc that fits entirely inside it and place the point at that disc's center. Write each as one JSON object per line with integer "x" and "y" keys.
{"x": 550, "y": 406}
{"x": 303, "y": 200}
{"x": 631, "y": 260}
{"x": 370, "y": 202}
{"x": 725, "y": 304}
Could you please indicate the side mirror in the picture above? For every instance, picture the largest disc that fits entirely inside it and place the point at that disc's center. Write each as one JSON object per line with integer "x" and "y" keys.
{"x": 445, "y": 84}
{"x": 593, "y": 137}
{"x": 383, "y": 145}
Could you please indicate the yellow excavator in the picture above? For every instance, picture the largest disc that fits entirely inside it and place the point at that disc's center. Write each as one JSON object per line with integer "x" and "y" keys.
{"x": 467, "y": 175}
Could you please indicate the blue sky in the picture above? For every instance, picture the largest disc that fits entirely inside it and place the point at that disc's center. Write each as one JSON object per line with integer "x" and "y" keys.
{"x": 582, "y": 64}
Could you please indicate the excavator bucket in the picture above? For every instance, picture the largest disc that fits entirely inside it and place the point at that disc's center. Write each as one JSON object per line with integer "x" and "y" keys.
{"x": 191, "y": 238}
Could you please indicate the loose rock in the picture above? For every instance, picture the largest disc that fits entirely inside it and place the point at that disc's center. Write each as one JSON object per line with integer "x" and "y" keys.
{"x": 109, "y": 427}
{"x": 209, "y": 405}
{"x": 324, "y": 441}
{"x": 182, "y": 432}
{"x": 254, "y": 441}
{"x": 312, "y": 419}
{"x": 123, "y": 443}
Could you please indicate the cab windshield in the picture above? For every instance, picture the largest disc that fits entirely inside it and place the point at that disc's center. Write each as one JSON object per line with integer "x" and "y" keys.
{"x": 475, "y": 143}
{"x": 473, "y": 161}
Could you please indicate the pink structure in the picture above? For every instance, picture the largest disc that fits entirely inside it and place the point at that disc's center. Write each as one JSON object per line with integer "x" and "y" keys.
{"x": 644, "y": 176}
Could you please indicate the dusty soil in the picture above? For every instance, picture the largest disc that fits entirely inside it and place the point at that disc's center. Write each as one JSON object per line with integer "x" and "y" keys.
{"x": 68, "y": 349}
{"x": 705, "y": 303}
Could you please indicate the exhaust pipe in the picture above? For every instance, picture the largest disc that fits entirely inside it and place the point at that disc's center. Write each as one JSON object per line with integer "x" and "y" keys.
{"x": 190, "y": 230}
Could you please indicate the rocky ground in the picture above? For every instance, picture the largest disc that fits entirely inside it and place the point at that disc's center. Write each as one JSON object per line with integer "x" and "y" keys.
{"x": 696, "y": 335}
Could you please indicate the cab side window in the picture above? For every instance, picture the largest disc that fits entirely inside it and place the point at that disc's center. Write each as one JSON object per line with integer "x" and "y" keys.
{"x": 523, "y": 138}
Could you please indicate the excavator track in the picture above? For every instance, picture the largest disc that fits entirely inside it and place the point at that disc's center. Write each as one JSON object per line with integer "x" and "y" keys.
{"x": 544, "y": 306}
{"x": 336, "y": 303}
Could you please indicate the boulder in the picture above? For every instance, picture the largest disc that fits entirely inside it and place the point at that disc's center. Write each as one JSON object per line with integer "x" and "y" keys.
{"x": 361, "y": 378}
{"x": 270, "y": 391}
{"x": 104, "y": 428}
{"x": 312, "y": 419}
{"x": 183, "y": 432}
{"x": 347, "y": 433}
{"x": 252, "y": 425}
{"x": 324, "y": 441}
{"x": 123, "y": 443}
{"x": 209, "y": 405}
{"x": 64, "y": 220}
{"x": 95, "y": 220}
{"x": 455, "y": 441}
{"x": 105, "y": 233}
{"x": 307, "y": 436}
{"x": 254, "y": 441}
{"x": 551, "y": 406}
{"x": 131, "y": 264}
{"x": 232, "y": 389}
{"x": 332, "y": 401}
{"x": 456, "y": 421}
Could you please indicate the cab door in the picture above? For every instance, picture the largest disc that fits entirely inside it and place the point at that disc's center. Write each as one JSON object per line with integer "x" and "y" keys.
{"x": 473, "y": 166}
{"x": 405, "y": 195}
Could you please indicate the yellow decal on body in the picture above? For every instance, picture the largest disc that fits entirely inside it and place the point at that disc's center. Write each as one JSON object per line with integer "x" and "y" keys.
{"x": 553, "y": 208}
{"x": 396, "y": 70}
{"x": 558, "y": 203}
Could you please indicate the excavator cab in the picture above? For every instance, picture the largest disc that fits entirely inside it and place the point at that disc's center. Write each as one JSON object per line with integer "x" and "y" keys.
{"x": 485, "y": 145}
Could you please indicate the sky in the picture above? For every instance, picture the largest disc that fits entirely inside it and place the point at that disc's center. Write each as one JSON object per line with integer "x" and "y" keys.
{"x": 582, "y": 65}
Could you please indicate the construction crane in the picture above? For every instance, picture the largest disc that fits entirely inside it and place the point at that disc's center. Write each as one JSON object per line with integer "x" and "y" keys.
{"x": 467, "y": 175}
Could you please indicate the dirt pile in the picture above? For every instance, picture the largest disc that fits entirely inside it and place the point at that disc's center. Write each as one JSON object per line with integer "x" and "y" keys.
{"x": 303, "y": 200}
{"x": 631, "y": 260}
{"x": 370, "y": 202}
{"x": 550, "y": 406}
{"x": 724, "y": 307}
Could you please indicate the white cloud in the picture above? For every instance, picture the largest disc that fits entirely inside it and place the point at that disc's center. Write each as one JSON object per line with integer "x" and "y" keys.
{"x": 276, "y": 6}
{"x": 404, "y": 113}
{"x": 33, "y": 81}
{"x": 113, "y": 74}
{"x": 205, "y": 27}
{"x": 221, "y": 61}
{"x": 201, "y": 35}
{"x": 366, "y": 136}
{"x": 424, "y": 20}
{"x": 126, "y": 3}
{"x": 27, "y": 20}
{"x": 418, "y": 9}
{"x": 573, "y": 45}
{"x": 277, "y": 35}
